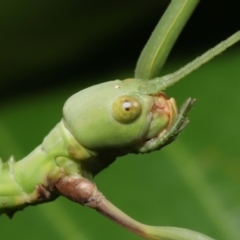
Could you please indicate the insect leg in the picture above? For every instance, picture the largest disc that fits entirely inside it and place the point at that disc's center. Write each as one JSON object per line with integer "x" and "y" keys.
{"x": 85, "y": 192}
{"x": 164, "y": 36}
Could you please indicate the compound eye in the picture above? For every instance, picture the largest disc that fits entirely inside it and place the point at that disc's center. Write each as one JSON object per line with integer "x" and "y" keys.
{"x": 125, "y": 109}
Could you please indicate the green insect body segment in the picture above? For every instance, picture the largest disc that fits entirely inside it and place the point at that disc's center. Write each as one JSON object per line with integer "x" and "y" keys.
{"x": 125, "y": 119}
{"x": 29, "y": 180}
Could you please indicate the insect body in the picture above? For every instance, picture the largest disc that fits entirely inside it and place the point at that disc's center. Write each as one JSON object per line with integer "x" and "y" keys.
{"x": 99, "y": 124}
{"x": 138, "y": 120}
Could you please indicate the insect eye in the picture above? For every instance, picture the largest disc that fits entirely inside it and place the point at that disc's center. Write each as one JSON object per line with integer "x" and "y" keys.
{"x": 125, "y": 109}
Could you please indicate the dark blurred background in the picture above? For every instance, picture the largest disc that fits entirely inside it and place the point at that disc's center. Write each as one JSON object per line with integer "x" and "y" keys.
{"x": 51, "y": 49}
{"x": 43, "y": 43}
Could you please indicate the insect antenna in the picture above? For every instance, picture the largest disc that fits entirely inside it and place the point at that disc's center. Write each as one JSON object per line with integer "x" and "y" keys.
{"x": 159, "y": 84}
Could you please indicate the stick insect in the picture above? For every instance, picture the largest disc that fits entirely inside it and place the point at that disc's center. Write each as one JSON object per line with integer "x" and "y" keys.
{"x": 131, "y": 116}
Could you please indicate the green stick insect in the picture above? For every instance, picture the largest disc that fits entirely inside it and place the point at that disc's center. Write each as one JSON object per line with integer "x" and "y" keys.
{"x": 131, "y": 116}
